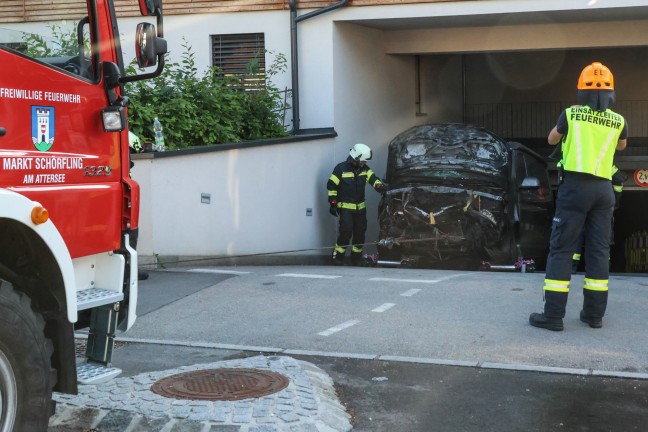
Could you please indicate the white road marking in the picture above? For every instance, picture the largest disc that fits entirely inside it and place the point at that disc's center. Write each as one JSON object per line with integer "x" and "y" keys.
{"x": 339, "y": 327}
{"x": 309, "y": 276}
{"x": 410, "y": 292}
{"x": 202, "y": 270}
{"x": 452, "y": 276}
{"x": 383, "y": 307}
{"x": 427, "y": 281}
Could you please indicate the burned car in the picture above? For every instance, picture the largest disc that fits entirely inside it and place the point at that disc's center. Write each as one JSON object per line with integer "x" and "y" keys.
{"x": 461, "y": 197}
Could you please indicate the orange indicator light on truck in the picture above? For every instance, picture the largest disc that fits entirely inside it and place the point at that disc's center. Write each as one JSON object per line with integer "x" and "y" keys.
{"x": 39, "y": 215}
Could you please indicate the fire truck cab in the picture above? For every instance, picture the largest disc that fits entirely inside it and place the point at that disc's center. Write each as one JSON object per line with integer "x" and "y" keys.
{"x": 68, "y": 207}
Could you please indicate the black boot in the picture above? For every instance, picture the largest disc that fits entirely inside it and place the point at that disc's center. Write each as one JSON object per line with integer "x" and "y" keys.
{"x": 541, "y": 321}
{"x": 593, "y": 322}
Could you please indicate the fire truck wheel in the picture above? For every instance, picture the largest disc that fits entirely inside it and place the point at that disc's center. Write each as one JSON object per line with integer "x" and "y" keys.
{"x": 26, "y": 376}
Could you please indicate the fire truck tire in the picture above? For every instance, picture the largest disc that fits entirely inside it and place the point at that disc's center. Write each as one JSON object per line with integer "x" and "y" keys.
{"x": 26, "y": 375}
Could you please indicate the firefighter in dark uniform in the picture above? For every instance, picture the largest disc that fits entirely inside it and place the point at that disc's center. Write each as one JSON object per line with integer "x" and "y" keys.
{"x": 617, "y": 184}
{"x": 135, "y": 146}
{"x": 346, "y": 197}
{"x": 590, "y": 134}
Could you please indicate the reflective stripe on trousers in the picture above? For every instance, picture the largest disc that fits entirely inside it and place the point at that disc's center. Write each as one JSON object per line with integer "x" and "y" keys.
{"x": 351, "y": 206}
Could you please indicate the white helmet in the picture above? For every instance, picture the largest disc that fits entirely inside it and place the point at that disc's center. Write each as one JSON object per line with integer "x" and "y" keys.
{"x": 360, "y": 152}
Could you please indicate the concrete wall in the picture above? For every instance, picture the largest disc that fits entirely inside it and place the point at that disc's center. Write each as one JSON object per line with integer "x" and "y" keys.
{"x": 258, "y": 201}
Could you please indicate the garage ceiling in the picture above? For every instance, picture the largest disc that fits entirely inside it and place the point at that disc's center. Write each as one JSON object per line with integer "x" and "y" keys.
{"x": 496, "y": 19}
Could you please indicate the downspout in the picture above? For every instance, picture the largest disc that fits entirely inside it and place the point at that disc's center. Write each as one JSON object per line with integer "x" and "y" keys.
{"x": 294, "y": 19}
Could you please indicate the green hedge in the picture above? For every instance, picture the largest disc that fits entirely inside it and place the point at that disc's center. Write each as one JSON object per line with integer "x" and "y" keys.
{"x": 209, "y": 109}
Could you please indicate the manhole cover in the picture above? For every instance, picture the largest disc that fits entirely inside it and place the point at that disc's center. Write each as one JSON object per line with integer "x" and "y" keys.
{"x": 220, "y": 384}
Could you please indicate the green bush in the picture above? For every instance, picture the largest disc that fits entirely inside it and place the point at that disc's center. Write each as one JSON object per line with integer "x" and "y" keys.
{"x": 211, "y": 109}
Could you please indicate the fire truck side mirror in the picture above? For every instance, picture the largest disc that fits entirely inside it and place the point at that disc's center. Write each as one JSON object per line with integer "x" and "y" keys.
{"x": 149, "y": 7}
{"x": 148, "y": 46}
{"x": 111, "y": 75}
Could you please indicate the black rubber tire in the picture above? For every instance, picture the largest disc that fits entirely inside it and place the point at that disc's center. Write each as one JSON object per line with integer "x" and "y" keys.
{"x": 394, "y": 253}
{"x": 26, "y": 375}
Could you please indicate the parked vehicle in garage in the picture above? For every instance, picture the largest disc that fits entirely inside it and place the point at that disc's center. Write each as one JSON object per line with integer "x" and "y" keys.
{"x": 460, "y": 196}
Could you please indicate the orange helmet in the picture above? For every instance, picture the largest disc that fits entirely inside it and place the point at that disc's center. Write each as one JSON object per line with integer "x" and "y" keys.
{"x": 596, "y": 77}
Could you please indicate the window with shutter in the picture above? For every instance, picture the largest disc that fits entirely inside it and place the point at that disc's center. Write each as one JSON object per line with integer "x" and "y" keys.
{"x": 241, "y": 56}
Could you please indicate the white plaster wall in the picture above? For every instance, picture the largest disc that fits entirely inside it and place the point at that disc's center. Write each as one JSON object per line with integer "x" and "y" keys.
{"x": 196, "y": 30}
{"x": 505, "y": 10}
{"x": 441, "y": 88}
{"x": 259, "y": 198}
{"x": 518, "y": 37}
{"x": 315, "y": 48}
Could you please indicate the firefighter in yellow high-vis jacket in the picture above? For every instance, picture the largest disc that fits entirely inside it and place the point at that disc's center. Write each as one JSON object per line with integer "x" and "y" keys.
{"x": 590, "y": 133}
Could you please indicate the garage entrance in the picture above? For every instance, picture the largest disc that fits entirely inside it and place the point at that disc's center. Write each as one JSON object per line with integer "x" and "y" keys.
{"x": 519, "y": 95}
{"x": 630, "y": 249}
{"x": 512, "y": 67}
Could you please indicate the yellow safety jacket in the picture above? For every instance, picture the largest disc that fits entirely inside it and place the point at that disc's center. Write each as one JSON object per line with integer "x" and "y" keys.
{"x": 591, "y": 141}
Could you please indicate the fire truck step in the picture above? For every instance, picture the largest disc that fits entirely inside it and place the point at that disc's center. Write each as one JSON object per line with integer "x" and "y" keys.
{"x": 90, "y": 373}
{"x": 94, "y": 297}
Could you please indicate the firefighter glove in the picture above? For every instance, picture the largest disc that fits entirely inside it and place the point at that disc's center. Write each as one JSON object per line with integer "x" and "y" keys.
{"x": 333, "y": 209}
{"x": 381, "y": 188}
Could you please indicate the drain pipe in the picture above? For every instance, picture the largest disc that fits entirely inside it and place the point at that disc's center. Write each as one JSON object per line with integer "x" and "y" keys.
{"x": 294, "y": 19}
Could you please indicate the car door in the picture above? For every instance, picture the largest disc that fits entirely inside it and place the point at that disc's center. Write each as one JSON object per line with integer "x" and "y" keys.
{"x": 534, "y": 203}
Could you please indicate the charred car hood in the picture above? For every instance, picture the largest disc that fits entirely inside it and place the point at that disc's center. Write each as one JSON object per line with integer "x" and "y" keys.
{"x": 447, "y": 154}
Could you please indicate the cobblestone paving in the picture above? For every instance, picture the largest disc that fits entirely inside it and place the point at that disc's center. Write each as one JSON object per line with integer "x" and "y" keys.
{"x": 308, "y": 404}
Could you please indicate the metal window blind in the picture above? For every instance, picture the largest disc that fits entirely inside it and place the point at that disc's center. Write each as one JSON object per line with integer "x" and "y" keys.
{"x": 241, "y": 56}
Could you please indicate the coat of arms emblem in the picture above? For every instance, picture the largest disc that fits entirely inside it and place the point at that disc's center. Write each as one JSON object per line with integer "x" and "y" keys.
{"x": 43, "y": 127}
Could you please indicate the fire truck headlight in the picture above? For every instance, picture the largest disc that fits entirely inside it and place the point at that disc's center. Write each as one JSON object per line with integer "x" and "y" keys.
{"x": 114, "y": 119}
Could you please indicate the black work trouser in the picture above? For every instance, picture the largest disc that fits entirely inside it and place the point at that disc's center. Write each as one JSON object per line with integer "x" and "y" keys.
{"x": 584, "y": 202}
{"x": 352, "y": 224}
{"x": 580, "y": 244}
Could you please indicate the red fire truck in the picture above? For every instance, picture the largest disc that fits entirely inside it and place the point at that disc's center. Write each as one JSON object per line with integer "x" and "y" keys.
{"x": 68, "y": 207}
